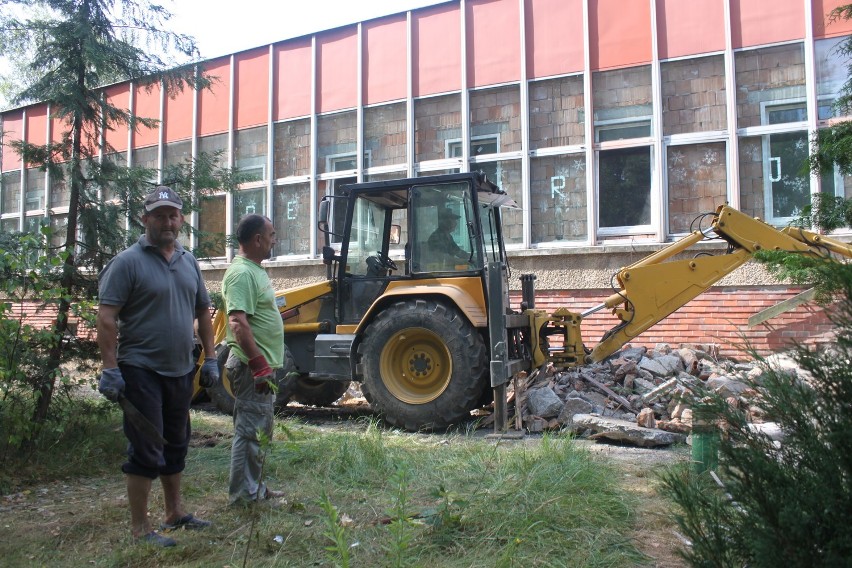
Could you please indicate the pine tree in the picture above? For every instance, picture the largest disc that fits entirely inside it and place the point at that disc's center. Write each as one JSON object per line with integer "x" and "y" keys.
{"x": 77, "y": 46}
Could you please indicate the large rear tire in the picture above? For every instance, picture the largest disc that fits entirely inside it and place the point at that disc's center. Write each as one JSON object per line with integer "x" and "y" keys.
{"x": 422, "y": 365}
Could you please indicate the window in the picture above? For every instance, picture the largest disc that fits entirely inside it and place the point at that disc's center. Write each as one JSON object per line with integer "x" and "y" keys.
{"x": 693, "y": 95}
{"x": 831, "y": 74}
{"x": 436, "y": 120}
{"x": 385, "y": 134}
{"x": 211, "y": 227}
{"x": 556, "y": 112}
{"x": 558, "y": 195}
{"x": 624, "y": 187}
{"x": 769, "y": 76}
{"x": 292, "y": 148}
{"x": 292, "y": 219}
{"x": 250, "y": 153}
{"x": 697, "y": 182}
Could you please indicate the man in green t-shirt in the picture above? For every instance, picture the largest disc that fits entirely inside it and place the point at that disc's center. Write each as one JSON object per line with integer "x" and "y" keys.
{"x": 256, "y": 338}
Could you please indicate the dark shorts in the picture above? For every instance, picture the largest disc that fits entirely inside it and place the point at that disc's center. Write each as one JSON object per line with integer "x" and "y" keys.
{"x": 165, "y": 402}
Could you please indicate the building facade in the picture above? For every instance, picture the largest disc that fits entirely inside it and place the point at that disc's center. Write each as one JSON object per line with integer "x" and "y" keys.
{"x": 614, "y": 123}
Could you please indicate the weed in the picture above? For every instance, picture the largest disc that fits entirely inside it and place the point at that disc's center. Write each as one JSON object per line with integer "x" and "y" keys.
{"x": 338, "y": 552}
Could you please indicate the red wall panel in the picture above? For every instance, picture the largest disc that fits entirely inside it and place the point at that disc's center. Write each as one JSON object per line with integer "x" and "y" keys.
{"x": 822, "y": 27}
{"x": 554, "y": 36}
{"x": 436, "y": 39}
{"x": 118, "y": 96}
{"x": 690, "y": 28}
{"x": 385, "y": 60}
{"x": 756, "y": 23}
{"x": 620, "y": 33}
{"x": 213, "y": 103}
{"x": 493, "y": 42}
{"x": 251, "y": 95}
{"x": 292, "y": 97}
{"x": 37, "y": 124}
{"x": 13, "y": 129}
{"x": 337, "y": 69}
{"x": 178, "y": 115}
{"x": 146, "y": 105}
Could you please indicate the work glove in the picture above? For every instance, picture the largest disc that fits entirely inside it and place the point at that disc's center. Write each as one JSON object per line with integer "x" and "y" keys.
{"x": 262, "y": 373}
{"x": 209, "y": 373}
{"x": 111, "y": 384}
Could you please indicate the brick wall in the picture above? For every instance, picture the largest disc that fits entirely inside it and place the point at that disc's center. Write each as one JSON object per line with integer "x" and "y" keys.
{"x": 385, "y": 134}
{"x": 719, "y": 316}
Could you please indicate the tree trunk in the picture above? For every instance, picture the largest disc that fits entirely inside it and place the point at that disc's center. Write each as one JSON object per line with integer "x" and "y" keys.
{"x": 46, "y": 387}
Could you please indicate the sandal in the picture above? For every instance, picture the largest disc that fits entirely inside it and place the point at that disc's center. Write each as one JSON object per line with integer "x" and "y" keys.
{"x": 156, "y": 539}
{"x": 188, "y": 522}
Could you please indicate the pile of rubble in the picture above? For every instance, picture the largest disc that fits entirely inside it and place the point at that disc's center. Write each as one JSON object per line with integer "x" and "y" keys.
{"x": 638, "y": 396}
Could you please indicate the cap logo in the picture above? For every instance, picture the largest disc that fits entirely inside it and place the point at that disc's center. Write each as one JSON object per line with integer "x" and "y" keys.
{"x": 164, "y": 195}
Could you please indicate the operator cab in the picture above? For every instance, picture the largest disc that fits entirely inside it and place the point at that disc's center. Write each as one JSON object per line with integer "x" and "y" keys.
{"x": 445, "y": 226}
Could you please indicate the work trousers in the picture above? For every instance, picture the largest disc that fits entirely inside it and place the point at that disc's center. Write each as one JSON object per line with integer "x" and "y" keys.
{"x": 253, "y": 414}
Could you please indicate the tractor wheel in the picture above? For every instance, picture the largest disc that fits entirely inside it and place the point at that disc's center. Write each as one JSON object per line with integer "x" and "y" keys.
{"x": 223, "y": 396}
{"x": 312, "y": 392}
{"x": 422, "y": 365}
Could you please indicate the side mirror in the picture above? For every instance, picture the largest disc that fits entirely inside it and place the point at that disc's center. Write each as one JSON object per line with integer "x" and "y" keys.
{"x": 322, "y": 217}
{"x": 395, "y": 232}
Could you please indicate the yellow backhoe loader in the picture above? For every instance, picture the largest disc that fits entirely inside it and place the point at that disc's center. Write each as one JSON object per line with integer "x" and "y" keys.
{"x": 434, "y": 337}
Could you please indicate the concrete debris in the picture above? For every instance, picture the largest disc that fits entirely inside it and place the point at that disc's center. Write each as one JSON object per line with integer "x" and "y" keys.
{"x": 638, "y": 396}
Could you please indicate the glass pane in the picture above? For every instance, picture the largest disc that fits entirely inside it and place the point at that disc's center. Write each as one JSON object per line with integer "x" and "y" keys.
{"x": 693, "y": 95}
{"x": 250, "y": 153}
{"x": 751, "y": 176}
{"x": 790, "y": 184}
{"x": 215, "y": 146}
{"x": 9, "y": 225}
{"x": 622, "y": 97}
{"x": 624, "y": 187}
{"x": 336, "y": 137}
{"x": 385, "y": 135}
{"x": 292, "y": 148}
{"x": 774, "y": 181}
{"x": 831, "y": 73}
{"x": 556, "y": 112}
{"x": 35, "y": 190}
{"x": 441, "y": 228}
{"x": 211, "y": 225}
{"x": 368, "y": 224}
{"x": 292, "y": 206}
{"x": 506, "y": 174}
{"x": 495, "y": 116}
{"x": 59, "y": 228}
{"x": 147, "y": 158}
{"x": 437, "y": 120}
{"x": 247, "y": 202}
{"x": 765, "y": 76}
{"x": 697, "y": 178}
{"x": 338, "y": 206}
{"x": 177, "y": 153}
{"x": 11, "y": 187}
{"x": 558, "y": 192}
{"x": 109, "y": 192}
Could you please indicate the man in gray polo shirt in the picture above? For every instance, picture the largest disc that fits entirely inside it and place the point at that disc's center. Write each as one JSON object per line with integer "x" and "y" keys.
{"x": 149, "y": 298}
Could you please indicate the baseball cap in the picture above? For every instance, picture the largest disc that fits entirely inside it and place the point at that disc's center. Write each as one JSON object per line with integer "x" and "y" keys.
{"x": 162, "y": 196}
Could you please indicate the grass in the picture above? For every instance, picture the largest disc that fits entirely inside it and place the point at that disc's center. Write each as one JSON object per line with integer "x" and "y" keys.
{"x": 367, "y": 496}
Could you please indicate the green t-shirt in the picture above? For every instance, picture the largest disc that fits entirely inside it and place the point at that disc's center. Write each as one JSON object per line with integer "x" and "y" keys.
{"x": 246, "y": 288}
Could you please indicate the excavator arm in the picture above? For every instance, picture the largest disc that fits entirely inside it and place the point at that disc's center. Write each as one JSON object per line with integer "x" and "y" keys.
{"x": 650, "y": 290}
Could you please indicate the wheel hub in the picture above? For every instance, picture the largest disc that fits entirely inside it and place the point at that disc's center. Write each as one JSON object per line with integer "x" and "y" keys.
{"x": 416, "y": 365}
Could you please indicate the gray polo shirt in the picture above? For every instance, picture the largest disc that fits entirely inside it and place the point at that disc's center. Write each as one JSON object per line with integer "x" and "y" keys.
{"x": 158, "y": 302}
